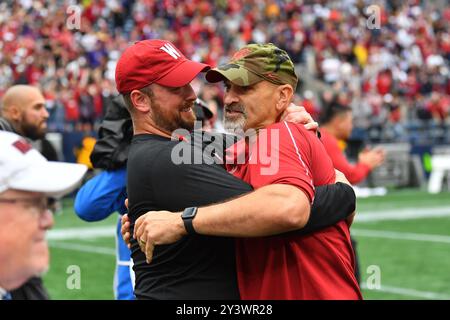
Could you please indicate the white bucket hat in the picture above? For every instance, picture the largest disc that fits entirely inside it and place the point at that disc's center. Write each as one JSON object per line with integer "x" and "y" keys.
{"x": 24, "y": 168}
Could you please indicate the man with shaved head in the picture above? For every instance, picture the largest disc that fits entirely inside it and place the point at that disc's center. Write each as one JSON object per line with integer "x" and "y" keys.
{"x": 23, "y": 111}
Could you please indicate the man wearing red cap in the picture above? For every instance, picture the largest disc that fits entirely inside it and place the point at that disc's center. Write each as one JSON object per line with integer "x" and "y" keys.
{"x": 154, "y": 79}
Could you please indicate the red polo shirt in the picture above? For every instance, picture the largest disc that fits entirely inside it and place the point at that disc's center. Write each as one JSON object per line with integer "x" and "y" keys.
{"x": 354, "y": 173}
{"x": 315, "y": 266}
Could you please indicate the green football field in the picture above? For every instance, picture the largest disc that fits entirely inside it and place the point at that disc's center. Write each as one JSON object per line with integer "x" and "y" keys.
{"x": 403, "y": 245}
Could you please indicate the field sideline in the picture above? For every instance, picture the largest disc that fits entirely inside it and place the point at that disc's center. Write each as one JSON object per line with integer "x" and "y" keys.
{"x": 404, "y": 235}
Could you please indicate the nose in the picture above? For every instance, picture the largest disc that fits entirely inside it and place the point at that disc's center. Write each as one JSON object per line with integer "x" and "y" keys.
{"x": 190, "y": 93}
{"x": 46, "y": 220}
{"x": 45, "y": 113}
{"x": 230, "y": 97}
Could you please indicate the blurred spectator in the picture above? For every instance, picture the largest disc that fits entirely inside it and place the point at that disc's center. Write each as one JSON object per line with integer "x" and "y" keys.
{"x": 27, "y": 179}
{"x": 23, "y": 112}
{"x": 336, "y": 126}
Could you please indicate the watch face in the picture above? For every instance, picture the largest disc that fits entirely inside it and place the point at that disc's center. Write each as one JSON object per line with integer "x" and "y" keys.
{"x": 189, "y": 213}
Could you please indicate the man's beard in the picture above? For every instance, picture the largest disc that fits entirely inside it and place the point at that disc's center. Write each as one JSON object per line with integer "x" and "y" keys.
{"x": 170, "y": 125}
{"x": 32, "y": 132}
{"x": 237, "y": 125}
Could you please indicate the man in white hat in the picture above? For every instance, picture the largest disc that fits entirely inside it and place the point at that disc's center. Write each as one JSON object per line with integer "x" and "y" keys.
{"x": 27, "y": 180}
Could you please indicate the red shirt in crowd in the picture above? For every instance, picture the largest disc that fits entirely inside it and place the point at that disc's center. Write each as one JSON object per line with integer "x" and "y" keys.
{"x": 384, "y": 83}
{"x": 354, "y": 173}
{"x": 315, "y": 266}
{"x": 439, "y": 108}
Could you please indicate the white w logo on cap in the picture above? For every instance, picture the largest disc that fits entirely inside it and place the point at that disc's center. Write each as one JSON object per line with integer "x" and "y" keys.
{"x": 168, "y": 48}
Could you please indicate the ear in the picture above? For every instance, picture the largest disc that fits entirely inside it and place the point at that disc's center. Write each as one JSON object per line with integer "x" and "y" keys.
{"x": 14, "y": 113}
{"x": 285, "y": 93}
{"x": 141, "y": 101}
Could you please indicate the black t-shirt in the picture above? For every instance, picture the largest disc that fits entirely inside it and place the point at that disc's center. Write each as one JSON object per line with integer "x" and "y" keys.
{"x": 197, "y": 266}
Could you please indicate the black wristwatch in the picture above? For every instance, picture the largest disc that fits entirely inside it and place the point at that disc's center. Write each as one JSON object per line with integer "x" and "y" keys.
{"x": 188, "y": 215}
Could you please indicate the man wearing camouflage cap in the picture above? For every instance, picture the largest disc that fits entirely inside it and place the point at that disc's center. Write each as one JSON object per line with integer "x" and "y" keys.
{"x": 260, "y": 81}
{"x": 253, "y": 64}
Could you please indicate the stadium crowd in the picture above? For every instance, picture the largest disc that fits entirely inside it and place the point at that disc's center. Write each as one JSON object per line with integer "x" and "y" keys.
{"x": 394, "y": 74}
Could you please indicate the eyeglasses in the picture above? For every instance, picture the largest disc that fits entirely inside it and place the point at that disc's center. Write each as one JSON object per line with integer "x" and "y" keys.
{"x": 41, "y": 205}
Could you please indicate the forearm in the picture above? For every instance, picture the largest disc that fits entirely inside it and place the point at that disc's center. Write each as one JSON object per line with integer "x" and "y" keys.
{"x": 267, "y": 211}
{"x": 359, "y": 172}
{"x": 354, "y": 173}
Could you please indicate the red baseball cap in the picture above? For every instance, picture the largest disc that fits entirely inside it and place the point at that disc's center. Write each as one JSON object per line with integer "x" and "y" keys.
{"x": 155, "y": 61}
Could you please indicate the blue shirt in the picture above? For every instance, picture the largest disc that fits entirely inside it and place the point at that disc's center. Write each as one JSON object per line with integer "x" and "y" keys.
{"x": 97, "y": 200}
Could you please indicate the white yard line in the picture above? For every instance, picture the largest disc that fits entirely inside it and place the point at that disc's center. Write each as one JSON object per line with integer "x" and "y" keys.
{"x": 81, "y": 233}
{"x": 83, "y": 248}
{"x": 361, "y": 217}
{"x": 400, "y": 235}
{"x": 402, "y": 214}
{"x": 410, "y": 292}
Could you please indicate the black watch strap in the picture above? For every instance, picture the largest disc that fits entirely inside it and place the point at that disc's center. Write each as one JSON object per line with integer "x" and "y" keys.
{"x": 188, "y": 215}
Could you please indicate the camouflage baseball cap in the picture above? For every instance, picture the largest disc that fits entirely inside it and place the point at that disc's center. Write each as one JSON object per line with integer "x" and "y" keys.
{"x": 254, "y": 63}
